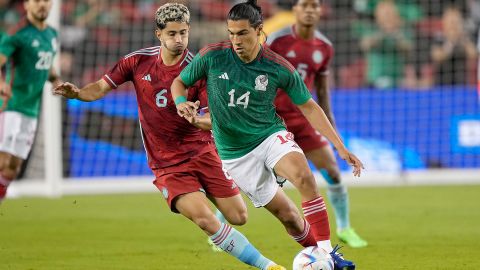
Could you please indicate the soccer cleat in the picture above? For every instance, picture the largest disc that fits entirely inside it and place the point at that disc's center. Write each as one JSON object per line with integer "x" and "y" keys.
{"x": 276, "y": 267}
{"x": 213, "y": 246}
{"x": 351, "y": 238}
{"x": 339, "y": 262}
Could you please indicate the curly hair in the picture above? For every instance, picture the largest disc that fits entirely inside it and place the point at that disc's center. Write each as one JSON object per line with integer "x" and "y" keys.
{"x": 171, "y": 12}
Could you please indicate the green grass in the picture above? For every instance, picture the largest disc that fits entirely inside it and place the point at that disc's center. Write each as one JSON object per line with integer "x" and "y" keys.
{"x": 407, "y": 228}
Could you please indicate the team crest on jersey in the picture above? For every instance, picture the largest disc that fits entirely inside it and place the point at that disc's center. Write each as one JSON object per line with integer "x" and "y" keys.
{"x": 165, "y": 192}
{"x": 261, "y": 82}
{"x": 317, "y": 57}
{"x": 35, "y": 43}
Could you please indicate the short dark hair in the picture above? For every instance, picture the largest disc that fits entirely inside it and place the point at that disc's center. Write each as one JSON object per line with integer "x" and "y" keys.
{"x": 247, "y": 11}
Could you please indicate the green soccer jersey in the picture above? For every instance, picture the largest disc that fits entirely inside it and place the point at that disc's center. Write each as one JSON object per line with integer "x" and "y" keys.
{"x": 241, "y": 95}
{"x": 30, "y": 52}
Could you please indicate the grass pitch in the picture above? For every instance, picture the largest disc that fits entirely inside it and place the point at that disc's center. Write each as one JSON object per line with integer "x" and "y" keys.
{"x": 407, "y": 228}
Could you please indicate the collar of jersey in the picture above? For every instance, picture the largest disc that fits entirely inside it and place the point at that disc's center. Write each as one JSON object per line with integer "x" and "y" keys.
{"x": 253, "y": 62}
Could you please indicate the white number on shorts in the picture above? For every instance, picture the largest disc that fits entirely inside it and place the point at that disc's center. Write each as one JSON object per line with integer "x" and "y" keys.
{"x": 242, "y": 100}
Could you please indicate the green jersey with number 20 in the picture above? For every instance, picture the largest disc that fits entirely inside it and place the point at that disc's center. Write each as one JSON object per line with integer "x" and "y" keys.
{"x": 241, "y": 95}
{"x": 30, "y": 53}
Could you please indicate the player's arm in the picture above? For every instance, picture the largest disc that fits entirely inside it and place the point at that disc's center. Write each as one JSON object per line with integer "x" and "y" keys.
{"x": 317, "y": 118}
{"x": 5, "y": 90}
{"x": 194, "y": 72}
{"x": 323, "y": 95}
{"x": 54, "y": 78}
{"x": 300, "y": 95}
{"x": 90, "y": 92}
{"x": 8, "y": 46}
{"x": 185, "y": 108}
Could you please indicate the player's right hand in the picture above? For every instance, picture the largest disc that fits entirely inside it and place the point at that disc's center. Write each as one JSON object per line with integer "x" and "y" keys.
{"x": 352, "y": 160}
{"x": 188, "y": 109}
{"x": 66, "y": 89}
{"x": 5, "y": 94}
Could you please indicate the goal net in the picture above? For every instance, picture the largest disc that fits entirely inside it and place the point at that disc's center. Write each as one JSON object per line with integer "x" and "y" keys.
{"x": 403, "y": 90}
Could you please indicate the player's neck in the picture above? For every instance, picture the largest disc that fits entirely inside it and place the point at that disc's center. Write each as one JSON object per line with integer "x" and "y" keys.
{"x": 38, "y": 24}
{"x": 170, "y": 59}
{"x": 305, "y": 32}
{"x": 252, "y": 56}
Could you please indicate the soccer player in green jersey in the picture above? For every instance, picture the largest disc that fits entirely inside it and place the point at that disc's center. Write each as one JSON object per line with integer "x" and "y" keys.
{"x": 252, "y": 141}
{"x": 28, "y": 51}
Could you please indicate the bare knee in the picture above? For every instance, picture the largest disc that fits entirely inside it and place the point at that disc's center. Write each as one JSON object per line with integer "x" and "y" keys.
{"x": 10, "y": 166}
{"x": 204, "y": 222}
{"x": 238, "y": 218}
{"x": 305, "y": 181}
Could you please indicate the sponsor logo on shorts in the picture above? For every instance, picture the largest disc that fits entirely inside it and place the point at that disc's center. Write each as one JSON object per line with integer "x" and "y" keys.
{"x": 165, "y": 192}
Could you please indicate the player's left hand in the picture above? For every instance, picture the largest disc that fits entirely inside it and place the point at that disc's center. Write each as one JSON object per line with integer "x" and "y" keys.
{"x": 353, "y": 161}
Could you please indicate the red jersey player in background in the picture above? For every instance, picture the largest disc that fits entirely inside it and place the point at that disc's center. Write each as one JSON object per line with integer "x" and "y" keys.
{"x": 310, "y": 52}
{"x": 181, "y": 156}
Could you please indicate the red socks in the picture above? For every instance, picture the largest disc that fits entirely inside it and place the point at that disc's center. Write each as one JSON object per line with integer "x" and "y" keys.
{"x": 315, "y": 213}
{"x": 306, "y": 238}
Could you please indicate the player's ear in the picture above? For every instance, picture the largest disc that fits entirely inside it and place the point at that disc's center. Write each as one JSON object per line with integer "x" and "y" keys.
{"x": 259, "y": 29}
{"x": 158, "y": 33}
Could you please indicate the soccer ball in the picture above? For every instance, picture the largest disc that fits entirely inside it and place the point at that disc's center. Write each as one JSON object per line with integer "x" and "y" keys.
{"x": 313, "y": 258}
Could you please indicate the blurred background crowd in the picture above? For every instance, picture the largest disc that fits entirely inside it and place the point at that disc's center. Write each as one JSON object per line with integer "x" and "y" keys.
{"x": 378, "y": 44}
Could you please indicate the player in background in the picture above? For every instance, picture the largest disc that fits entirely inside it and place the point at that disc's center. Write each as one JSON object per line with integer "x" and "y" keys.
{"x": 253, "y": 144}
{"x": 310, "y": 52}
{"x": 27, "y": 51}
{"x": 182, "y": 157}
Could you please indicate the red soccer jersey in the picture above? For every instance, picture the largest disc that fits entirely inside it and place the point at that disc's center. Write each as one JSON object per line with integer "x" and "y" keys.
{"x": 168, "y": 138}
{"x": 309, "y": 57}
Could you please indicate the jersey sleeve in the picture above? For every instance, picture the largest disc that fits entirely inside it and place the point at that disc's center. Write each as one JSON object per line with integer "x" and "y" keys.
{"x": 8, "y": 44}
{"x": 198, "y": 92}
{"x": 295, "y": 88}
{"x": 195, "y": 71}
{"x": 323, "y": 70}
{"x": 121, "y": 72}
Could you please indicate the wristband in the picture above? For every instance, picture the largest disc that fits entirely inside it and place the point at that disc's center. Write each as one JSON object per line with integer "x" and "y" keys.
{"x": 180, "y": 99}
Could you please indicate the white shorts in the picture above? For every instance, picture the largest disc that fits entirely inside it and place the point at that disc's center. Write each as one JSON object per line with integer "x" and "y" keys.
{"x": 17, "y": 133}
{"x": 253, "y": 173}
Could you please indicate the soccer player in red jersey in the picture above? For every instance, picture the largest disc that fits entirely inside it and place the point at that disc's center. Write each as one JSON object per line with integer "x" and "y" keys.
{"x": 310, "y": 52}
{"x": 182, "y": 156}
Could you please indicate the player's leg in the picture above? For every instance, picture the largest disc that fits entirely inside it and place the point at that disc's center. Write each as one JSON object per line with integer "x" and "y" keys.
{"x": 182, "y": 189}
{"x": 17, "y": 132}
{"x": 9, "y": 169}
{"x": 221, "y": 185}
{"x": 231, "y": 209}
{"x": 195, "y": 207}
{"x": 324, "y": 160}
{"x": 223, "y": 192}
{"x": 294, "y": 167}
{"x": 283, "y": 208}
{"x": 235, "y": 210}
